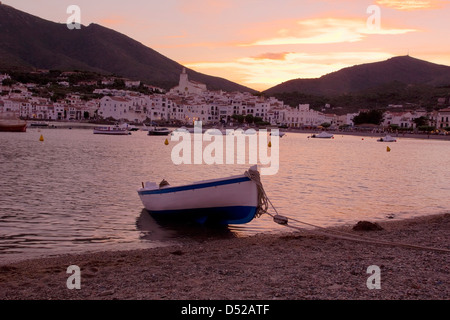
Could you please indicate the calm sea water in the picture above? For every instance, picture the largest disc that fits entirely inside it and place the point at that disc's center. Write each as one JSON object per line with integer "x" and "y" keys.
{"x": 77, "y": 191}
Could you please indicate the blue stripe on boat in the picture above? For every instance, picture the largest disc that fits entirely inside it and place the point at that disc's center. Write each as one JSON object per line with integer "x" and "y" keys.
{"x": 195, "y": 186}
{"x": 217, "y": 215}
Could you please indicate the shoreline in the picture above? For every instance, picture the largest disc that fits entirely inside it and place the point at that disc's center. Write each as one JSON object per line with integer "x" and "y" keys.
{"x": 297, "y": 265}
{"x": 419, "y": 136}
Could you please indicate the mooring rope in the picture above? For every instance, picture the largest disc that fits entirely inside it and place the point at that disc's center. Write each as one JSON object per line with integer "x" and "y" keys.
{"x": 263, "y": 200}
{"x": 263, "y": 208}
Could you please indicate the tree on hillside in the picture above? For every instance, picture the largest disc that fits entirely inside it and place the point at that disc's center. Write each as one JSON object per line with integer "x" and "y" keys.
{"x": 420, "y": 122}
{"x": 8, "y": 82}
{"x": 239, "y": 118}
{"x": 371, "y": 117}
{"x": 249, "y": 118}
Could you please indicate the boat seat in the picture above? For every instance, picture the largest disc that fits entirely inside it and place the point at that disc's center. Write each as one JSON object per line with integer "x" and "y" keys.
{"x": 151, "y": 186}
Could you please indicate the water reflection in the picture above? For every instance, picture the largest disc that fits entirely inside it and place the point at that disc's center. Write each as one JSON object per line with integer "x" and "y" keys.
{"x": 152, "y": 228}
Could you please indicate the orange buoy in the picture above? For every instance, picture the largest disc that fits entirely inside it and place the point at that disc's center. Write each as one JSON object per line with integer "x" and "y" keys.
{"x": 41, "y": 138}
{"x": 166, "y": 142}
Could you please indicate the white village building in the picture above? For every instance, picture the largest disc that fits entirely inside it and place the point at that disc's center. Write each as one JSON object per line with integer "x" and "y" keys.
{"x": 186, "y": 86}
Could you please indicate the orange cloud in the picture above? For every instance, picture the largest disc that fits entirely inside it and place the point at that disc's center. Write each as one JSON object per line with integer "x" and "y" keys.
{"x": 327, "y": 30}
{"x": 262, "y": 74}
{"x": 272, "y": 56}
{"x": 410, "y": 5}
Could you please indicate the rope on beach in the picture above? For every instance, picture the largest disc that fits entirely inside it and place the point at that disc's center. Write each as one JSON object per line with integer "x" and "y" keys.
{"x": 263, "y": 208}
{"x": 263, "y": 200}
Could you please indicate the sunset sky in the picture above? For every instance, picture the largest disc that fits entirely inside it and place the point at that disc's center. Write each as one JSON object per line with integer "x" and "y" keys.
{"x": 261, "y": 43}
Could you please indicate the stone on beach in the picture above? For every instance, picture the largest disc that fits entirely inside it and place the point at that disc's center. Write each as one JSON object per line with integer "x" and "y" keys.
{"x": 367, "y": 226}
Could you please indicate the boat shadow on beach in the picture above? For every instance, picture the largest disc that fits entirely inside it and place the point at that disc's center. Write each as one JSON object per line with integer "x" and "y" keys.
{"x": 154, "y": 229}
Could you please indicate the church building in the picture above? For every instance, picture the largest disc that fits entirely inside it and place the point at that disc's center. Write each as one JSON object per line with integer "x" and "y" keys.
{"x": 187, "y": 87}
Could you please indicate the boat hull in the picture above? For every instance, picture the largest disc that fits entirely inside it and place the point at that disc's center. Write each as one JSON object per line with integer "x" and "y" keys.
{"x": 13, "y": 128}
{"x": 387, "y": 139}
{"x": 224, "y": 201}
{"x": 159, "y": 132}
{"x": 153, "y": 133}
{"x": 214, "y": 216}
{"x": 111, "y": 131}
{"x": 322, "y": 136}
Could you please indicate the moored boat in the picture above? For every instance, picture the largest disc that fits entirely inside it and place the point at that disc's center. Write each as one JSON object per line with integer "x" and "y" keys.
{"x": 129, "y": 127}
{"x": 323, "y": 135}
{"x": 387, "y": 138}
{"x": 217, "y": 132}
{"x": 39, "y": 124}
{"x": 111, "y": 130}
{"x": 159, "y": 131}
{"x": 278, "y": 134}
{"x": 232, "y": 200}
{"x": 10, "y": 123}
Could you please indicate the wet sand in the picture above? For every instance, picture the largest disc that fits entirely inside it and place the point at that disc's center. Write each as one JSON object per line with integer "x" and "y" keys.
{"x": 297, "y": 265}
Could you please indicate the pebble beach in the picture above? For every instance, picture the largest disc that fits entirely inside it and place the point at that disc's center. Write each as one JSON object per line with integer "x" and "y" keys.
{"x": 296, "y": 265}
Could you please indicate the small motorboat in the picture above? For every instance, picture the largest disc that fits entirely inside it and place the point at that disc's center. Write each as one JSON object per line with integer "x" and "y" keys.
{"x": 39, "y": 124}
{"x": 323, "y": 135}
{"x": 111, "y": 130}
{"x": 231, "y": 200}
{"x": 216, "y": 132}
{"x": 241, "y": 132}
{"x": 278, "y": 134}
{"x": 158, "y": 131}
{"x": 387, "y": 138}
{"x": 129, "y": 127}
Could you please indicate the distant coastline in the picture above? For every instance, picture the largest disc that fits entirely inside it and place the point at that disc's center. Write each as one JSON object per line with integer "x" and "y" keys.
{"x": 359, "y": 133}
{"x": 422, "y": 136}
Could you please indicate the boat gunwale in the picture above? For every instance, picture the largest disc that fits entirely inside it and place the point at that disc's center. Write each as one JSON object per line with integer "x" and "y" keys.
{"x": 196, "y": 186}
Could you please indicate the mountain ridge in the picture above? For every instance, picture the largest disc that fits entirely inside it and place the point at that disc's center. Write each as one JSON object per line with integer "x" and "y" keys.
{"x": 27, "y": 42}
{"x": 404, "y": 69}
{"x": 30, "y": 42}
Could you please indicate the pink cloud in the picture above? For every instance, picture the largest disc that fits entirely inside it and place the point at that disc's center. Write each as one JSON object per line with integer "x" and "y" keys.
{"x": 410, "y": 5}
{"x": 272, "y": 56}
{"x": 327, "y": 31}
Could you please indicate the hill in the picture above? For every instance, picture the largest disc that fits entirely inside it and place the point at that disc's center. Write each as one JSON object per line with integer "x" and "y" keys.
{"x": 405, "y": 69}
{"x": 28, "y": 42}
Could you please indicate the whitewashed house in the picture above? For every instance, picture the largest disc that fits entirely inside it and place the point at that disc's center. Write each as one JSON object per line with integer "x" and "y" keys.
{"x": 302, "y": 116}
{"x": 132, "y": 84}
{"x": 443, "y": 118}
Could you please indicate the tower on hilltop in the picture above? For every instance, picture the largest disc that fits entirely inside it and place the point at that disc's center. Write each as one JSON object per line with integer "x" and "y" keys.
{"x": 187, "y": 86}
{"x": 184, "y": 79}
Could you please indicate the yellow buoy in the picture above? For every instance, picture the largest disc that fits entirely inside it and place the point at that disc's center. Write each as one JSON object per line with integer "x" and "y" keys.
{"x": 270, "y": 144}
{"x": 388, "y": 149}
{"x": 166, "y": 142}
{"x": 41, "y": 138}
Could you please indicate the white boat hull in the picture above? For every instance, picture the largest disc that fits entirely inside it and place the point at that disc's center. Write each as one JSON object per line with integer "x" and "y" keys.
{"x": 111, "y": 131}
{"x": 387, "y": 139}
{"x": 232, "y": 200}
{"x": 323, "y": 135}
